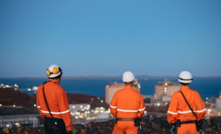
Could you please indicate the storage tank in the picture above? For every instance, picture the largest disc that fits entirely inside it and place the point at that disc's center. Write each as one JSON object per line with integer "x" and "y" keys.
{"x": 171, "y": 89}
{"x": 158, "y": 89}
{"x": 218, "y": 103}
{"x": 110, "y": 91}
{"x": 166, "y": 88}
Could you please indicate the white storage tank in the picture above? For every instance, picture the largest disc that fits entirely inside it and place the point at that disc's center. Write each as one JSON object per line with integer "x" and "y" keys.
{"x": 110, "y": 91}
{"x": 218, "y": 103}
{"x": 166, "y": 88}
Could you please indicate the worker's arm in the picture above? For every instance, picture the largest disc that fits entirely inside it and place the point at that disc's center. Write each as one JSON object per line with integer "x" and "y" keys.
{"x": 201, "y": 110}
{"x": 172, "y": 111}
{"x": 141, "y": 106}
{"x": 64, "y": 109}
{"x": 38, "y": 101}
{"x": 113, "y": 105}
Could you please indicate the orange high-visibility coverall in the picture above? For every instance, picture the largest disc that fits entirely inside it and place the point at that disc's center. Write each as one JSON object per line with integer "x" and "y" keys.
{"x": 57, "y": 102}
{"x": 127, "y": 103}
{"x": 179, "y": 109}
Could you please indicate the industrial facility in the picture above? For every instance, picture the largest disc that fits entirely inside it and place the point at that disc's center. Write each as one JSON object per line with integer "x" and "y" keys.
{"x": 163, "y": 92}
{"x": 213, "y": 106}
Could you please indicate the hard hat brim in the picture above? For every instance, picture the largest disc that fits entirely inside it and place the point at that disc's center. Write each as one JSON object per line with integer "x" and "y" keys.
{"x": 184, "y": 81}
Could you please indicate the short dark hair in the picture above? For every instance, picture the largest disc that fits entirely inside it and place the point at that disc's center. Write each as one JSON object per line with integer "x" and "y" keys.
{"x": 185, "y": 84}
{"x": 128, "y": 82}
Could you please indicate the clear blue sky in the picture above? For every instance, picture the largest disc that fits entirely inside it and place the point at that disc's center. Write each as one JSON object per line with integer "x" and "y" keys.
{"x": 108, "y": 37}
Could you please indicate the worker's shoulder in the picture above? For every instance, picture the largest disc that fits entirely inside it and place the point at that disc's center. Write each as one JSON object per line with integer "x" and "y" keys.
{"x": 177, "y": 93}
{"x": 194, "y": 92}
{"x": 40, "y": 87}
{"x": 137, "y": 93}
{"x": 119, "y": 91}
{"x": 59, "y": 88}
{"x": 55, "y": 86}
{"x": 134, "y": 92}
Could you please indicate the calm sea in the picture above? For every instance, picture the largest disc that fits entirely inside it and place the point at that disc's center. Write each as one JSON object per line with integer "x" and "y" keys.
{"x": 207, "y": 87}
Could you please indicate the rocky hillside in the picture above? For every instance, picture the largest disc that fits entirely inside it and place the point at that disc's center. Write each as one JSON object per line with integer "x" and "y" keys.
{"x": 150, "y": 124}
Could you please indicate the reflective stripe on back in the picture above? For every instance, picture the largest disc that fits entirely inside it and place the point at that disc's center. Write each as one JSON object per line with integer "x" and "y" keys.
{"x": 127, "y": 110}
{"x": 55, "y": 112}
{"x": 184, "y": 112}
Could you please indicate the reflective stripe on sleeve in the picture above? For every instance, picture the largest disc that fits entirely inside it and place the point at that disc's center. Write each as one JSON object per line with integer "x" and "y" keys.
{"x": 171, "y": 112}
{"x": 38, "y": 106}
{"x": 200, "y": 111}
{"x": 141, "y": 109}
{"x": 113, "y": 106}
{"x": 55, "y": 112}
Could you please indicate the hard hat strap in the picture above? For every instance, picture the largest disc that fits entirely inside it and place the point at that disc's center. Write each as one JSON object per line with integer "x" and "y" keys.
{"x": 185, "y": 79}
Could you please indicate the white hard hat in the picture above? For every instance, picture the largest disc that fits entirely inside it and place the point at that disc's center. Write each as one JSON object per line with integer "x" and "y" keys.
{"x": 53, "y": 71}
{"x": 185, "y": 77}
{"x": 128, "y": 76}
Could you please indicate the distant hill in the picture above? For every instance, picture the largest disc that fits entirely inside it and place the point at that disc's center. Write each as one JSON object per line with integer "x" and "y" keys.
{"x": 10, "y": 97}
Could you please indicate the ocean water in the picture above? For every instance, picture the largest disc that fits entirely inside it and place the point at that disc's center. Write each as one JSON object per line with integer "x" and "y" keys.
{"x": 207, "y": 87}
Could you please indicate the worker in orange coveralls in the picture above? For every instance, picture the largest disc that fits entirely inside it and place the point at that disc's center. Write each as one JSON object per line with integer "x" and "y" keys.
{"x": 127, "y": 105}
{"x": 179, "y": 109}
{"x": 52, "y": 104}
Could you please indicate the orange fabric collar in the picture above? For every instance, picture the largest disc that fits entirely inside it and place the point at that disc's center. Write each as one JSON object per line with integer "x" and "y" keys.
{"x": 55, "y": 81}
{"x": 184, "y": 88}
{"x": 128, "y": 87}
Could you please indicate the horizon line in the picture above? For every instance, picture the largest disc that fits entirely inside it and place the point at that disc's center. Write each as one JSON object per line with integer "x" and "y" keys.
{"x": 105, "y": 77}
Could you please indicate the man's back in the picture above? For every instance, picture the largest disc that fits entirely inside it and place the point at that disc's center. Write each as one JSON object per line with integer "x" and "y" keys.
{"x": 128, "y": 102}
{"x": 57, "y": 102}
{"x": 180, "y": 109}
{"x": 53, "y": 93}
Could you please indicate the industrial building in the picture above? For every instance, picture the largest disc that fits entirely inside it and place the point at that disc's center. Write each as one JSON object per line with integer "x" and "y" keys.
{"x": 148, "y": 100}
{"x": 162, "y": 96}
{"x": 28, "y": 120}
{"x": 79, "y": 110}
{"x": 166, "y": 88}
{"x": 213, "y": 106}
{"x": 10, "y": 116}
{"x": 164, "y": 91}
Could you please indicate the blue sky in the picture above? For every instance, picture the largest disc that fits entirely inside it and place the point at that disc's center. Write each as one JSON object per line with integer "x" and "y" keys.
{"x": 103, "y": 37}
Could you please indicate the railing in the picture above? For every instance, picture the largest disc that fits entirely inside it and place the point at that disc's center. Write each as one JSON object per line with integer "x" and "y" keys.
{"x": 30, "y": 119}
